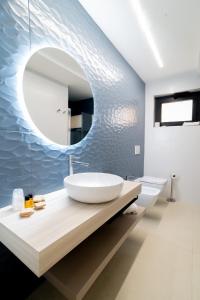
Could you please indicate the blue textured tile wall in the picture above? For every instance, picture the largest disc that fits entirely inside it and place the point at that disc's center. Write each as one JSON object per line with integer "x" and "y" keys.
{"x": 30, "y": 162}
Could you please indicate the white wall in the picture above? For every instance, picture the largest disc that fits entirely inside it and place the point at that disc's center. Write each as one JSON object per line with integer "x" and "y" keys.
{"x": 173, "y": 149}
{"x": 43, "y": 97}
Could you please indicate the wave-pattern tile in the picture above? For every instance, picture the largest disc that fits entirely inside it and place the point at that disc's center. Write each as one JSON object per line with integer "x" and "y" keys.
{"x": 25, "y": 159}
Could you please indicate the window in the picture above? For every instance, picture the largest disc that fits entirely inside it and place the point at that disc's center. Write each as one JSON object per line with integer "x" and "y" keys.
{"x": 178, "y": 108}
{"x": 177, "y": 111}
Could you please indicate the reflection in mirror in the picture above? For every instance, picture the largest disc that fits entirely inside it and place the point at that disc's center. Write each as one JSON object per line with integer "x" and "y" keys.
{"x": 58, "y": 96}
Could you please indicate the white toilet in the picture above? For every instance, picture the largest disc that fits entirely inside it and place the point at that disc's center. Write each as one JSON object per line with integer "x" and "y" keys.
{"x": 152, "y": 187}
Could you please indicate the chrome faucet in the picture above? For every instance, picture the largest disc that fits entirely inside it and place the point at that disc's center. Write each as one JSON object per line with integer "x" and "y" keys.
{"x": 72, "y": 160}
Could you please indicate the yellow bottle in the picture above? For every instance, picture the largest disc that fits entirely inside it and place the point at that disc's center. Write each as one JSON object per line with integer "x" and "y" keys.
{"x": 31, "y": 203}
{"x": 27, "y": 202}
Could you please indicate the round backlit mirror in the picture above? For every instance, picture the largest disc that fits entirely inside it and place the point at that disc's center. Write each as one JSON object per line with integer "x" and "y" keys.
{"x": 58, "y": 96}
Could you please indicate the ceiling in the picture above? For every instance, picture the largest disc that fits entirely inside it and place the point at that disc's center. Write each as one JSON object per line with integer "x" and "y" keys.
{"x": 60, "y": 67}
{"x": 174, "y": 25}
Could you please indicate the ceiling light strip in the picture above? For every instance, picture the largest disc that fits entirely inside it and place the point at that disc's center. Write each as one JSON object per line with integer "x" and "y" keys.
{"x": 145, "y": 28}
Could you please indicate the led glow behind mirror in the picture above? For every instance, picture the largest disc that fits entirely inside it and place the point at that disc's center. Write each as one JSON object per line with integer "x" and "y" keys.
{"x": 58, "y": 96}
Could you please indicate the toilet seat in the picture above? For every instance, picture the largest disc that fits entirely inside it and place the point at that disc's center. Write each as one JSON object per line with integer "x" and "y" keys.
{"x": 153, "y": 180}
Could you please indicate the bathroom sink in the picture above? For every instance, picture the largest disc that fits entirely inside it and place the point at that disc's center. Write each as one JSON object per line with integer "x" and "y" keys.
{"x": 93, "y": 187}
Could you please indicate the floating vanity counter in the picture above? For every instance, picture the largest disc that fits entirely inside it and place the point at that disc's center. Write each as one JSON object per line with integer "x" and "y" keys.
{"x": 76, "y": 272}
{"x": 43, "y": 239}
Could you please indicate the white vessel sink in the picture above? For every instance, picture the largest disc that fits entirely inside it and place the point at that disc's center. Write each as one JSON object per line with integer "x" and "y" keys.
{"x": 93, "y": 187}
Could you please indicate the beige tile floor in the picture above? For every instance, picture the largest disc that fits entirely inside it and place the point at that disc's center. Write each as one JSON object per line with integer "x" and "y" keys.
{"x": 159, "y": 261}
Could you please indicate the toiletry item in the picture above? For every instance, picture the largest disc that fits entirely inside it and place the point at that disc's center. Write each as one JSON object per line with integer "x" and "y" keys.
{"x": 18, "y": 199}
{"x": 27, "y": 203}
{"x": 31, "y": 204}
{"x": 38, "y": 198}
{"x": 26, "y": 213}
{"x": 39, "y": 205}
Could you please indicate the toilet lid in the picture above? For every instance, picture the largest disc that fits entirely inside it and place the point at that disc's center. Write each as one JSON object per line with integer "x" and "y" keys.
{"x": 154, "y": 180}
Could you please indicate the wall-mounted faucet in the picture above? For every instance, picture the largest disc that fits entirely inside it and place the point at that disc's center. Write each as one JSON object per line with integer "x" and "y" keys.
{"x": 73, "y": 160}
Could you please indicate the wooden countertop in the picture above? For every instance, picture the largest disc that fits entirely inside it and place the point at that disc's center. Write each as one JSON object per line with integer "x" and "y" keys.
{"x": 41, "y": 240}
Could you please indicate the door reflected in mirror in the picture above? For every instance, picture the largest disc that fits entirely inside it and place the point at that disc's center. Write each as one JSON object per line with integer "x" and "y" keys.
{"x": 58, "y": 96}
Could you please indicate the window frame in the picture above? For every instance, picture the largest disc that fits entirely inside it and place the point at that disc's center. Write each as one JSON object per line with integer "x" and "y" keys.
{"x": 184, "y": 96}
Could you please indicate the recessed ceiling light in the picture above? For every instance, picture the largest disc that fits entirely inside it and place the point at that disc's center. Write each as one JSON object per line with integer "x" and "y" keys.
{"x": 142, "y": 20}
